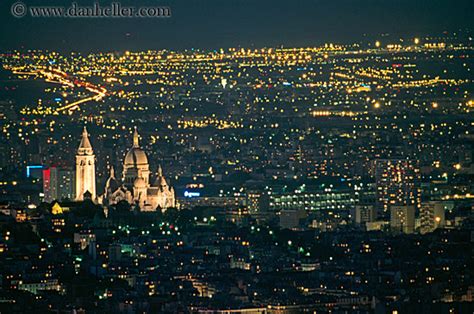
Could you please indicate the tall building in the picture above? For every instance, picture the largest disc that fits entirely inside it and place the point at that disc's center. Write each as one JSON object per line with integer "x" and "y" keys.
{"x": 50, "y": 187}
{"x": 47, "y": 185}
{"x": 402, "y": 219}
{"x": 396, "y": 183}
{"x": 66, "y": 184}
{"x": 58, "y": 184}
{"x": 135, "y": 186}
{"x": 85, "y": 168}
{"x": 431, "y": 216}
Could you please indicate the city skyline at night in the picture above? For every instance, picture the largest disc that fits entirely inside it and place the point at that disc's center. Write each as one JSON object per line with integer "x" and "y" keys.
{"x": 236, "y": 157}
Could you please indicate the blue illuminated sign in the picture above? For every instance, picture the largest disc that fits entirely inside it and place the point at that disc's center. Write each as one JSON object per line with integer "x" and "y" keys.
{"x": 28, "y": 169}
{"x": 191, "y": 194}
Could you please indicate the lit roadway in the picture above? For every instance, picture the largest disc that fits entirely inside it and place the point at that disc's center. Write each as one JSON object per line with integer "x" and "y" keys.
{"x": 60, "y": 77}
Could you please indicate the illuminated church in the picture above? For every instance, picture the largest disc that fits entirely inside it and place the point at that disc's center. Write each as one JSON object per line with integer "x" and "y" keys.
{"x": 134, "y": 187}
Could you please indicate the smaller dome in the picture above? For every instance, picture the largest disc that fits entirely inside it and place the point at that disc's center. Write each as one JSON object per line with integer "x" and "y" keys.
{"x": 139, "y": 183}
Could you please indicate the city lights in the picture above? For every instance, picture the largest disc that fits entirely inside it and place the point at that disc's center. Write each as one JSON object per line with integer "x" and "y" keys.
{"x": 238, "y": 157}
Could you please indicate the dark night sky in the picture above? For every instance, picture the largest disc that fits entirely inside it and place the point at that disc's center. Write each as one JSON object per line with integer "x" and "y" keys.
{"x": 224, "y": 23}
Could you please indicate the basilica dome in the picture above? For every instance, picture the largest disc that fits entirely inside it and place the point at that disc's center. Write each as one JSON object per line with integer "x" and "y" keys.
{"x": 135, "y": 157}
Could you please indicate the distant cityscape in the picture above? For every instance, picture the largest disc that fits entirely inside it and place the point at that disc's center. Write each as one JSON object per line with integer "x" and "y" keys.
{"x": 335, "y": 178}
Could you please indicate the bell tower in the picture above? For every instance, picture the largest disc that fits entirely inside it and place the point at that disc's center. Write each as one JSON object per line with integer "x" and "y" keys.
{"x": 85, "y": 168}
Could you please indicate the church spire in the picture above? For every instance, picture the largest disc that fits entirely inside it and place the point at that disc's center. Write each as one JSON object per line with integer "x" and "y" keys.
{"x": 112, "y": 172}
{"x": 160, "y": 171}
{"x": 85, "y": 169}
{"x": 136, "y": 144}
{"x": 85, "y": 144}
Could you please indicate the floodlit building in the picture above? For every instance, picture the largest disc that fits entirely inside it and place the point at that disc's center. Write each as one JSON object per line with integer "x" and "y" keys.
{"x": 135, "y": 186}
{"x": 85, "y": 169}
